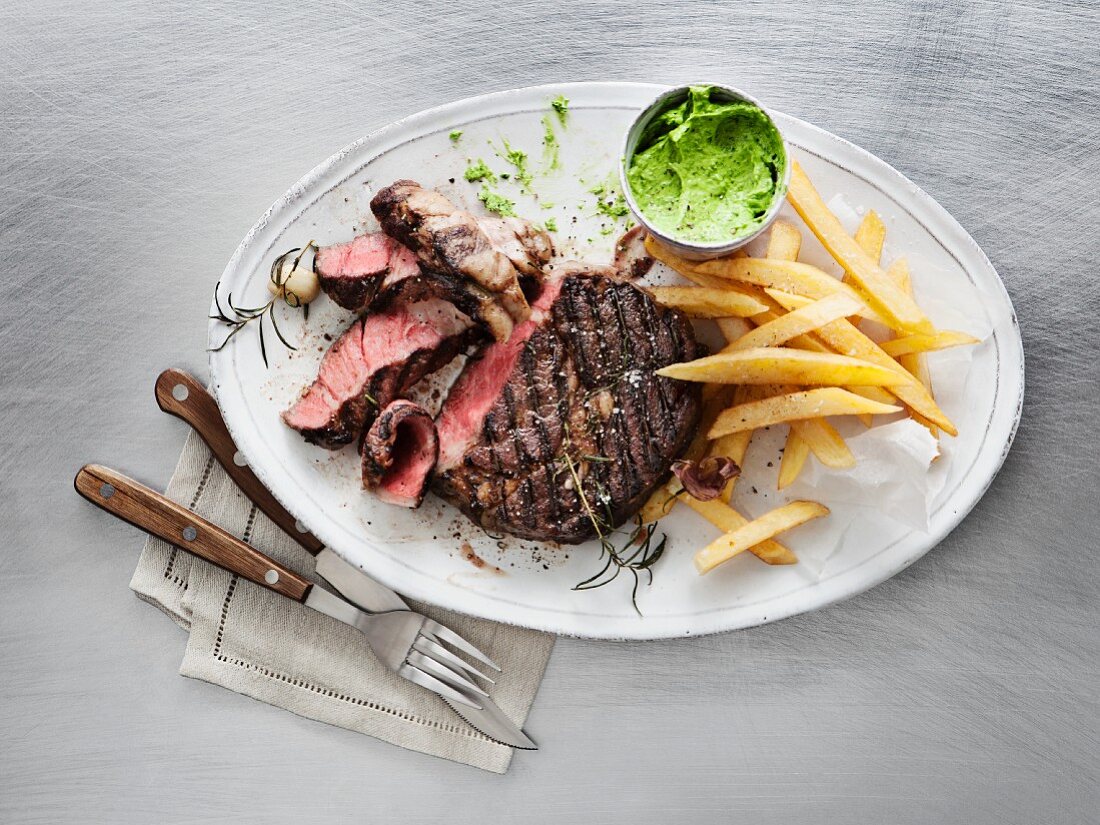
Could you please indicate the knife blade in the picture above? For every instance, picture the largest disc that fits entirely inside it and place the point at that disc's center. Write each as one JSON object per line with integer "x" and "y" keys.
{"x": 181, "y": 395}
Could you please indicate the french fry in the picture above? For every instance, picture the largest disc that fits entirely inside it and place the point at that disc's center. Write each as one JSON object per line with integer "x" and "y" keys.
{"x": 915, "y": 363}
{"x": 726, "y": 519}
{"x": 900, "y": 311}
{"x": 870, "y": 235}
{"x": 704, "y": 302}
{"x": 751, "y": 534}
{"x": 795, "y": 453}
{"x": 843, "y": 337}
{"x": 741, "y": 272}
{"x": 825, "y": 443}
{"x": 735, "y": 445}
{"x": 784, "y": 242}
{"x": 798, "y": 322}
{"x": 769, "y": 365}
{"x": 732, "y": 328}
{"x": 658, "y": 505}
{"x": 795, "y": 406}
{"x": 790, "y": 276}
{"x": 927, "y": 342}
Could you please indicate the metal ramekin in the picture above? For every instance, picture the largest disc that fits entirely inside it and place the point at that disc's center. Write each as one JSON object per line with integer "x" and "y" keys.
{"x": 693, "y": 250}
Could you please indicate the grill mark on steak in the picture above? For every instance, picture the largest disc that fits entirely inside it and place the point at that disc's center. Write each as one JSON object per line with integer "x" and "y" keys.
{"x": 566, "y": 391}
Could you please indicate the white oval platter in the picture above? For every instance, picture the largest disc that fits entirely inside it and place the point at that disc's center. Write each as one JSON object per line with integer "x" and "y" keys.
{"x": 433, "y": 554}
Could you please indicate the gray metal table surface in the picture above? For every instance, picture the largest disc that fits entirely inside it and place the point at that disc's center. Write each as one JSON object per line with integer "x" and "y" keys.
{"x": 138, "y": 143}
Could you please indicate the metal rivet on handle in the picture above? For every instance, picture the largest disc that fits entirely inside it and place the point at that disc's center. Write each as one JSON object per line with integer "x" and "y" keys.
{"x": 271, "y": 577}
{"x": 107, "y": 490}
{"x": 180, "y": 392}
{"x": 190, "y": 533}
{"x": 301, "y": 528}
{"x": 239, "y": 459}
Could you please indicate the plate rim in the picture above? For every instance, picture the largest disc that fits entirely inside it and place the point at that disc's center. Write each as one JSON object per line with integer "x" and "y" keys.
{"x": 875, "y": 172}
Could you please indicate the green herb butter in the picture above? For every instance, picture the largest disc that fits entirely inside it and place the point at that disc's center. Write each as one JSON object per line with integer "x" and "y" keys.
{"x": 560, "y": 105}
{"x": 708, "y": 170}
{"x": 496, "y": 202}
{"x": 479, "y": 171}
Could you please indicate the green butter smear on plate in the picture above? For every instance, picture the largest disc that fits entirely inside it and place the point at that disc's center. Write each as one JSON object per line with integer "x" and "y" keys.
{"x": 707, "y": 170}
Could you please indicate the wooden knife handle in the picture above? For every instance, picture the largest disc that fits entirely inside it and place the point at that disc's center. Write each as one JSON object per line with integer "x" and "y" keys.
{"x": 164, "y": 518}
{"x": 179, "y": 394}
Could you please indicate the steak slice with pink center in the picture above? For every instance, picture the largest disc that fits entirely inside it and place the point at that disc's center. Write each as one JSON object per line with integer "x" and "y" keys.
{"x": 399, "y": 453}
{"x": 352, "y": 273}
{"x": 377, "y": 359}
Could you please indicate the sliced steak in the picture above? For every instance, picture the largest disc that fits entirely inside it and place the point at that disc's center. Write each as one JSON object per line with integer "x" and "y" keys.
{"x": 399, "y": 453}
{"x": 488, "y": 255}
{"x": 572, "y": 396}
{"x": 376, "y": 359}
{"x": 352, "y": 273}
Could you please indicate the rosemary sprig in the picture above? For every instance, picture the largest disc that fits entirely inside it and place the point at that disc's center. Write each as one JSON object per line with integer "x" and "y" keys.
{"x": 616, "y": 559}
{"x": 239, "y": 317}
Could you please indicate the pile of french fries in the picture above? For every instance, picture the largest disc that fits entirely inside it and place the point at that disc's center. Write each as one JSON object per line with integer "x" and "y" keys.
{"x": 796, "y": 355}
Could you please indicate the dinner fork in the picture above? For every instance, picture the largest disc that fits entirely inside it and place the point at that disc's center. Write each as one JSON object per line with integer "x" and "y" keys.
{"x": 407, "y": 643}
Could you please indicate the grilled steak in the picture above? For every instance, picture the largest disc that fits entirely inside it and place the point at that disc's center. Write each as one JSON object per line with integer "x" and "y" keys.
{"x": 352, "y": 273}
{"x": 377, "y": 358}
{"x": 572, "y": 395}
{"x": 399, "y": 453}
{"x": 487, "y": 256}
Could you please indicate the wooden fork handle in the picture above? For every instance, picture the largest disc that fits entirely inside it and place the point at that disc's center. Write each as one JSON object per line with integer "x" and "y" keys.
{"x": 156, "y": 514}
{"x": 199, "y": 409}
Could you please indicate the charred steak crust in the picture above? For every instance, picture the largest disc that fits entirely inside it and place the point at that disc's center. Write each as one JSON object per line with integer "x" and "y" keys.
{"x": 583, "y": 386}
{"x": 488, "y": 256}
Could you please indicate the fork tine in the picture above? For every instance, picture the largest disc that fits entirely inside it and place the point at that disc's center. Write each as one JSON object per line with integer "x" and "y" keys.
{"x": 436, "y": 651}
{"x": 431, "y": 683}
{"x": 435, "y": 629}
{"x": 440, "y": 671}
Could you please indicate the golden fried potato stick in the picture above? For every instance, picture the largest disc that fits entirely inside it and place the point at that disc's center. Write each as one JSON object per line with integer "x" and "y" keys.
{"x": 798, "y": 322}
{"x": 751, "y": 534}
{"x": 706, "y": 302}
{"x": 784, "y": 242}
{"x": 795, "y": 406}
{"x": 915, "y": 363}
{"x": 927, "y": 342}
{"x": 789, "y": 276}
{"x": 732, "y": 328}
{"x": 870, "y": 235}
{"x": 843, "y": 337}
{"x": 735, "y": 445}
{"x": 726, "y": 519}
{"x": 769, "y": 365}
{"x": 900, "y": 311}
{"x": 795, "y": 453}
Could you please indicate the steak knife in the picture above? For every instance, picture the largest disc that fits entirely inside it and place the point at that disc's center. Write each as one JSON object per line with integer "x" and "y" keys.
{"x": 180, "y": 394}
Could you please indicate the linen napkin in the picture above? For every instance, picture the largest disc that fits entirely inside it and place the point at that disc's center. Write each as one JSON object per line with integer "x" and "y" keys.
{"x": 258, "y": 643}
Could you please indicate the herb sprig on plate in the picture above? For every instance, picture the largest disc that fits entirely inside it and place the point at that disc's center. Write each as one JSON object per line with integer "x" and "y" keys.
{"x": 239, "y": 317}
